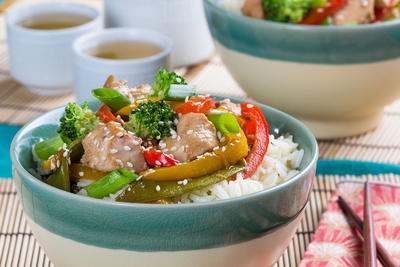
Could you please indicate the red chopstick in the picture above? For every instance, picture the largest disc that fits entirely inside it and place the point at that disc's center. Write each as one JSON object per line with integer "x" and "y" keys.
{"x": 368, "y": 230}
{"x": 383, "y": 256}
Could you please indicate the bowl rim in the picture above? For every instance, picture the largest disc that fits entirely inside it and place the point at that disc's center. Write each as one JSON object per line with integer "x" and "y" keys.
{"x": 297, "y": 27}
{"x": 106, "y": 203}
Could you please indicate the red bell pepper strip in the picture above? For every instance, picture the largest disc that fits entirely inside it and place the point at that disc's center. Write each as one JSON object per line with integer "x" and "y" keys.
{"x": 256, "y": 129}
{"x": 381, "y": 12}
{"x": 317, "y": 15}
{"x": 159, "y": 159}
{"x": 105, "y": 114}
{"x": 197, "y": 104}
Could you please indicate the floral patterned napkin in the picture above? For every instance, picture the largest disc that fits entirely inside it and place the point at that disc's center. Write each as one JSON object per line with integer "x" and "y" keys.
{"x": 335, "y": 243}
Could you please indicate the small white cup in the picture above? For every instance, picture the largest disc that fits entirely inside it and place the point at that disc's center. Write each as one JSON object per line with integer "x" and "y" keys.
{"x": 91, "y": 72}
{"x": 181, "y": 20}
{"x": 42, "y": 59}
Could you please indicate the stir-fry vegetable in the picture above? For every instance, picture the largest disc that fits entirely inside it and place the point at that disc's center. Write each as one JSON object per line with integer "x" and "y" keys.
{"x": 77, "y": 121}
{"x": 234, "y": 150}
{"x": 105, "y": 114}
{"x": 48, "y": 147}
{"x": 60, "y": 178}
{"x": 256, "y": 129}
{"x": 111, "y": 97}
{"x": 197, "y": 104}
{"x": 79, "y": 171}
{"x": 145, "y": 190}
{"x": 291, "y": 11}
{"x": 224, "y": 122}
{"x": 152, "y": 119}
{"x": 110, "y": 183}
{"x": 159, "y": 159}
{"x": 164, "y": 81}
{"x": 179, "y": 92}
{"x": 318, "y": 14}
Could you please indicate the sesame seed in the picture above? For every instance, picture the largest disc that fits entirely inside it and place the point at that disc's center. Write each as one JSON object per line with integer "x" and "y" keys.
{"x": 103, "y": 158}
{"x": 113, "y": 151}
{"x": 158, "y": 163}
{"x": 127, "y": 148}
{"x": 64, "y": 146}
{"x": 189, "y": 132}
{"x": 58, "y": 164}
{"x": 118, "y": 161}
{"x": 129, "y": 164}
{"x": 120, "y": 134}
{"x": 81, "y": 174}
{"x": 184, "y": 182}
{"x": 82, "y": 129}
{"x": 249, "y": 106}
{"x": 223, "y": 149}
{"x": 222, "y": 139}
{"x": 105, "y": 128}
{"x": 176, "y": 121}
{"x": 135, "y": 142}
{"x": 215, "y": 148}
{"x": 65, "y": 154}
{"x": 158, "y": 188}
{"x": 173, "y": 148}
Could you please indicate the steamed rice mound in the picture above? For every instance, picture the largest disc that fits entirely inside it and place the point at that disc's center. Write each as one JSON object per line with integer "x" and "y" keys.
{"x": 280, "y": 163}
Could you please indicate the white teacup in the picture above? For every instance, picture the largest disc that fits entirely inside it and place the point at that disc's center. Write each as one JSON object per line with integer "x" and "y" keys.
{"x": 91, "y": 72}
{"x": 42, "y": 59}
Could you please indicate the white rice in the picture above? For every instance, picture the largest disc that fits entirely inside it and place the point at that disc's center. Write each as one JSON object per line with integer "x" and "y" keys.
{"x": 280, "y": 163}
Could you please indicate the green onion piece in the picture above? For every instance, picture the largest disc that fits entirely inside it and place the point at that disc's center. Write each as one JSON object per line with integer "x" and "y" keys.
{"x": 224, "y": 122}
{"x": 111, "y": 97}
{"x": 48, "y": 147}
{"x": 178, "y": 92}
{"x": 110, "y": 183}
{"x": 60, "y": 178}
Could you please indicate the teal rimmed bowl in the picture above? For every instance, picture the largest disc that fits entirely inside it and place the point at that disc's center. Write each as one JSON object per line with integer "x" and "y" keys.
{"x": 335, "y": 79}
{"x": 74, "y": 230}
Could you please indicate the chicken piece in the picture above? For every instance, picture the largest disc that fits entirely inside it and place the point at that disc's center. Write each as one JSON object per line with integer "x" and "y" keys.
{"x": 230, "y": 106}
{"x": 133, "y": 93}
{"x": 195, "y": 136}
{"x": 253, "y": 8}
{"x": 354, "y": 11}
{"x": 109, "y": 147}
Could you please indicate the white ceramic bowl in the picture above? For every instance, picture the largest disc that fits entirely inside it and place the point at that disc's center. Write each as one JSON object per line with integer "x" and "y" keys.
{"x": 91, "y": 72}
{"x": 42, "y": 59}
{"x": 182, "y": 20}
{"x": 337, "y": 80}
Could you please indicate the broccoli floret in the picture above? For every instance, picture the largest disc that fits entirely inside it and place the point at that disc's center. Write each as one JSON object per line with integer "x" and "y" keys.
{"x": 164, "y": 80}
{"x": 292, "y": 11}
{"x": 152, "y": 119}
{"x": 77, "y": 121}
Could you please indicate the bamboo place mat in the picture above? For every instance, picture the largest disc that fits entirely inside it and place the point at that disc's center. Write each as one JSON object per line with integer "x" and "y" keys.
{"x": 17, "y": 106}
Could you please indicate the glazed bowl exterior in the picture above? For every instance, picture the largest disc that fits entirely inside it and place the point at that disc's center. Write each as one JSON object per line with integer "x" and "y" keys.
{"x": 337, "y": 80}
{"x": 251, "y": 230}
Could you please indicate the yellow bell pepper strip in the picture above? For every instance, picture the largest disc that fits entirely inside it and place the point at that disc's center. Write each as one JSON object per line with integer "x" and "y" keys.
{"x": 235, "y": 149}
{"x": 79, "y": 171}
{"x": 60, "y": 178}
{"x": 141, "y": 190}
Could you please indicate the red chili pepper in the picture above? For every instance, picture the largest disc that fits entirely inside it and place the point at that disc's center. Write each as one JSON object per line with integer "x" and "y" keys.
{"x": 197, "y": 104}
{"x": 105, "y": 114}
{"x": 381, "y": 12}
{"x": 159, "y": 159}
{"x": 317, "y": 15}
{"x": 256, "y": 129}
